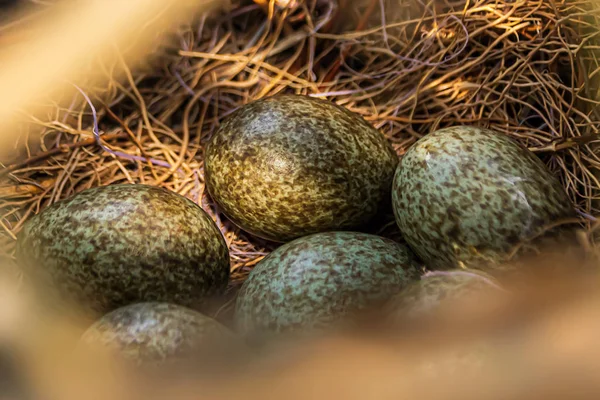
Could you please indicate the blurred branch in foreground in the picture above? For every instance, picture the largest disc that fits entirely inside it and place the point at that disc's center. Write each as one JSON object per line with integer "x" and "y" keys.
{"x": 67, "y": 40}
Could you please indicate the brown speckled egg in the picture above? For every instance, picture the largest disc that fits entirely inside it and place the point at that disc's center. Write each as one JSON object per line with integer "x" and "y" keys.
{"x": 288, "y": 166}
{"x": 153, "y": 333}
{"x": 465, "y": 196}
{"x": 115, "y": 245}
{"x": 315, "y": 281}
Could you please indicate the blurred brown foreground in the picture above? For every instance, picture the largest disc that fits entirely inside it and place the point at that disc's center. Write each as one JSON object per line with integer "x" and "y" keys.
{"x": 536, "y": 341}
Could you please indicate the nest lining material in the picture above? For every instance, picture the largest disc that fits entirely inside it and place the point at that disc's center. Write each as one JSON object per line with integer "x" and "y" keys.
{"x": 526, "y": 68}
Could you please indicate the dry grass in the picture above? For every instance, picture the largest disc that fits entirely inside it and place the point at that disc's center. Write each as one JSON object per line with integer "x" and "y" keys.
{"x": 527, "y": 68}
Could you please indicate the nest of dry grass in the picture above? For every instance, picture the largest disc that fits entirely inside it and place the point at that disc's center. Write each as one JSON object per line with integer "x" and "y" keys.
{"x": 527, "y": 68}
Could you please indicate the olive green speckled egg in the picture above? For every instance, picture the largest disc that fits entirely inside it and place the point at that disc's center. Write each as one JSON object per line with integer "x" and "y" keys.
{"x": 115, "y": 245}
{"x": 313, "y": 281}
{"x": 153, "y": 333}
{"x": 438, "y": 288}
{"x": 289, "y": 166}
{"x": 465, "y": 196}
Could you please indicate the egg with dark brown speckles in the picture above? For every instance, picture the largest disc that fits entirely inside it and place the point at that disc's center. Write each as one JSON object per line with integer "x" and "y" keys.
{"x": 115, "y": 245}
{"x": 289, "y": 166}
{"x": 315, "y": 281}
{"x": 154, "y": 333}
{"x": 465, "y": 196}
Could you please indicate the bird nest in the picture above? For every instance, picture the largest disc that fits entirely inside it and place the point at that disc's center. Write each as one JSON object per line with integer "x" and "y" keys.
{"x": 526, "y": 68}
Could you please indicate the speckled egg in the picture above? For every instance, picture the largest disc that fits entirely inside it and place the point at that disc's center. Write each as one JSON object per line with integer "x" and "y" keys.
{"x": 465, "y": 196}
{"x": 438, "y": 288}
{"x": 114, "y": 245}
{"x": 316, "y": 280}
{"x": 153, "y": 333}
{"x": 289, "y": 166}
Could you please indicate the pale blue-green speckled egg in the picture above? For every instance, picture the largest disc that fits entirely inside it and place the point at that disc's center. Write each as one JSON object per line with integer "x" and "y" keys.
{"x": 153, "y": 333}
{"x": 314, "y": 281}
{"x": 465, "y": 196}
{"x": 114, "y": 245}
{"x": 437, "y": 289}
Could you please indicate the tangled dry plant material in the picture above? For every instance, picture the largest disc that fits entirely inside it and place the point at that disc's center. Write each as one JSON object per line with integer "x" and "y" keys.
{"x": 527, "y": 68}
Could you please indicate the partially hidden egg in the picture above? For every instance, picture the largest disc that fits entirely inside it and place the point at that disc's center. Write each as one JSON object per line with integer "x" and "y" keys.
{"x": 315, "y": 281}
{"x": 115, "y": 245}
{"x": 155, "y": 333}
{"x": 466, "y": 196}
{"x": 289, "y": 166}
{"x": 439, "y": 291}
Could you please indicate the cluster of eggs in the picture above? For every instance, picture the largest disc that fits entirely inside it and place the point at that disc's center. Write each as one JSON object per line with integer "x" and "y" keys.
{"x": 309, "y": 174}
